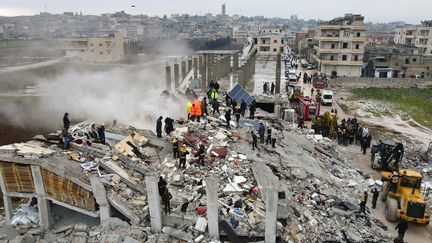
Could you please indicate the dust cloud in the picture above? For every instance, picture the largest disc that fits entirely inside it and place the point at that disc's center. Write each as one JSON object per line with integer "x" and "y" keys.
{"x": 128, "y": 94}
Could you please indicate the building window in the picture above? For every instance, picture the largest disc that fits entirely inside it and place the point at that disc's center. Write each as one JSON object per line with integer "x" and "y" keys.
{"x": 101, "y": 53}
{"x": 414, "y": 60}
{"x": 100, "y": 44}
{"x": 282, "y": 41}
{"x": 358, "y": 34}
{"x": 108, "y": 44}
{"x": 331, "y": 58}
{"x": 91, "y": 44}
{"x": 406, "y": 61}
{"x": 274, "y": 41}
{"x": 82, "y": 50}
{"x": 91, "y": 50}
{"x": 344, "y": 45}
{"x": 274, "y": 49}
{"x": 355, "y": 57}
{"x": 344, "y": 57}
{"x": 357, "y": 46}
{"x": 263, "y": 41}
{"x": 332, "y": 46}
{"x": 281, "y": 49}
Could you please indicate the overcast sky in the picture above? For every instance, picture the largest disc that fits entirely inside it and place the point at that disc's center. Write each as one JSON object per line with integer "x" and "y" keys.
{"x": 410, "y": 11}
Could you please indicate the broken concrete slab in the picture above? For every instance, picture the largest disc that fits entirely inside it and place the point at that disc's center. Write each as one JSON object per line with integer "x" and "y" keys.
{"x": 177, "y": 234}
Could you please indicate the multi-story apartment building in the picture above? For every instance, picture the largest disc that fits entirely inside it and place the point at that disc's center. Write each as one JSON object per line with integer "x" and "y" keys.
{"x": 420, "y": 36}
{"x": 340, "y": 46}
{"x": 95, "y": 49}
{"x": 270, "y": 44}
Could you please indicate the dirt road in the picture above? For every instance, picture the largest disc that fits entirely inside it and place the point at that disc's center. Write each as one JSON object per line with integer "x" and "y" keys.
{"x": 415, "y": 233}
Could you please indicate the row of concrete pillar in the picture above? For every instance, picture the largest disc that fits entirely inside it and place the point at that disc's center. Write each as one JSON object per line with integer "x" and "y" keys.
{"x": 212, "y": 208}
{"x": 246, "y": 71}
{"x": 205, "y": 67}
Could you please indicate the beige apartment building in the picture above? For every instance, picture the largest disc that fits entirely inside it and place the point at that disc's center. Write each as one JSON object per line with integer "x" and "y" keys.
{"x": 340, "y": 48}
{"x": 95, "y": 49}
{"x": 270, "y": 44}
{"x": 419, "y": 36}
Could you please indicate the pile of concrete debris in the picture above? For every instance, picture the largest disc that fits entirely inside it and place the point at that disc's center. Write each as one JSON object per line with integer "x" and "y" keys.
{"x": 318, "y": 188}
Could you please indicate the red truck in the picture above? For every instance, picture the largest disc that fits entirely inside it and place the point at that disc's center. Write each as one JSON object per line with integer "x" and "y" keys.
{"x": 308, "y": 108}
{"x": 319, "y": 82}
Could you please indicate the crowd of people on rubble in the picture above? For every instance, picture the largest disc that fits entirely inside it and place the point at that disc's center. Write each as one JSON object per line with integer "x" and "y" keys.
{"x": 197, "y": 108}
{"x": 350, "y": 131}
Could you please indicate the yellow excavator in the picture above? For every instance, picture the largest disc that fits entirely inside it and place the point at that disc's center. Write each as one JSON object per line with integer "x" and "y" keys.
{"x": 403, "y": 197}
{"x": 325, "y": 124}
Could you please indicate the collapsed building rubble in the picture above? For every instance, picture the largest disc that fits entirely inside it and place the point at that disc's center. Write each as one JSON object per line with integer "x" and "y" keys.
{"x": 308, "y": 183}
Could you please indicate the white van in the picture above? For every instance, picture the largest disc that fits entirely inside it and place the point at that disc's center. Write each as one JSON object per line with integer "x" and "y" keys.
{"x": 327, "y": 97}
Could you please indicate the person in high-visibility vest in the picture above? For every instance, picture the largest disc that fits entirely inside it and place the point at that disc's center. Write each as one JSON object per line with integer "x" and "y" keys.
{"x": 188, "y": 108}
{"x": 214, "y": 95}
{"x": 198, "y": 111}
{"x": 192, "y": 112}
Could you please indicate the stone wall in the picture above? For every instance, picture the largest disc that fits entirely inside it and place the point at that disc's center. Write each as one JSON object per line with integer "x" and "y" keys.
{"x": 362, "y": 82}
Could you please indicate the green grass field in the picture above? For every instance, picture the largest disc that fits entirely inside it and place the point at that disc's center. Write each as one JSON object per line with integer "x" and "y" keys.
{"x": 26, "y": 43}
{"x": 415, "y": 102}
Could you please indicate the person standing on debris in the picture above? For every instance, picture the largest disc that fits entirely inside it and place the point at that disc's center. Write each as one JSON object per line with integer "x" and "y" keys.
{"x": 228, "y": 118}
{"x": 166, "y": 197}
{"x": 159, "y": 127}
{"x": 254, "y": 141}
{"x": 375, "y": 194}
{"x": 237, "y": 112}
{"x": 169, "y": 127}
{"x": 162, "y": 186}
{"x": 227, "y": 100}
{"x": 204, "y": 106}
{"x": 66, "y": 122}
{"x": 365, "y": 132}
{"x": 67, "y": 138}
{"x": 312, "y": 91}
{"x": 192, "y": 112}
{"x": 101, "y": 133}
{"x": 261, "y": 132}
{"x": 274, "y": 135}
{"x": 272, "y": 88}
{"x": 363, "y": 202}
{"x": 188, "y": 109}
{"x": 182, "y": 155}
{"x": 358, "y": 136}
{"x": 243, "y": 107}
{"x": 269, "y": 138}
{"x": 201, "y": 154}
{"x": 265, "y": 88}
{"x": 252, "y": 109}
{"x": 364, "y": 142}
{"x": 402, "y": 227}
{"x": 175, "y": 145}
{"x": 215, "y": 106}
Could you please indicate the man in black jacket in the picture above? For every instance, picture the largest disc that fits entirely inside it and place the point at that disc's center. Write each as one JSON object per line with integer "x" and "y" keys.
{"x": 402, "y": 227}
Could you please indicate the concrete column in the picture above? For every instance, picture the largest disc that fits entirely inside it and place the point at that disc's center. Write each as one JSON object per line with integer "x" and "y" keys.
{"x": 240, "y": 73}
{"x": 235, "y": 61}
{"x": 212, "y": 208}
{"x": 168, "y": 77}
{"x": 246, "y": 72}
{"x": 154, "y": 202}
{"x": 204, "y": 71}
{"x": 176, "y": 75}
{"x": 278, "y": 74}
{"x": 7, "y": 201}
{"x": 271, "y": 215}
{"x": 195, "y": 67}
{"x": 189, "y": 66}
{"x": 183, "y": 68}
{"x": 99, "y": 194}
{"x": 43, "y": 203}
